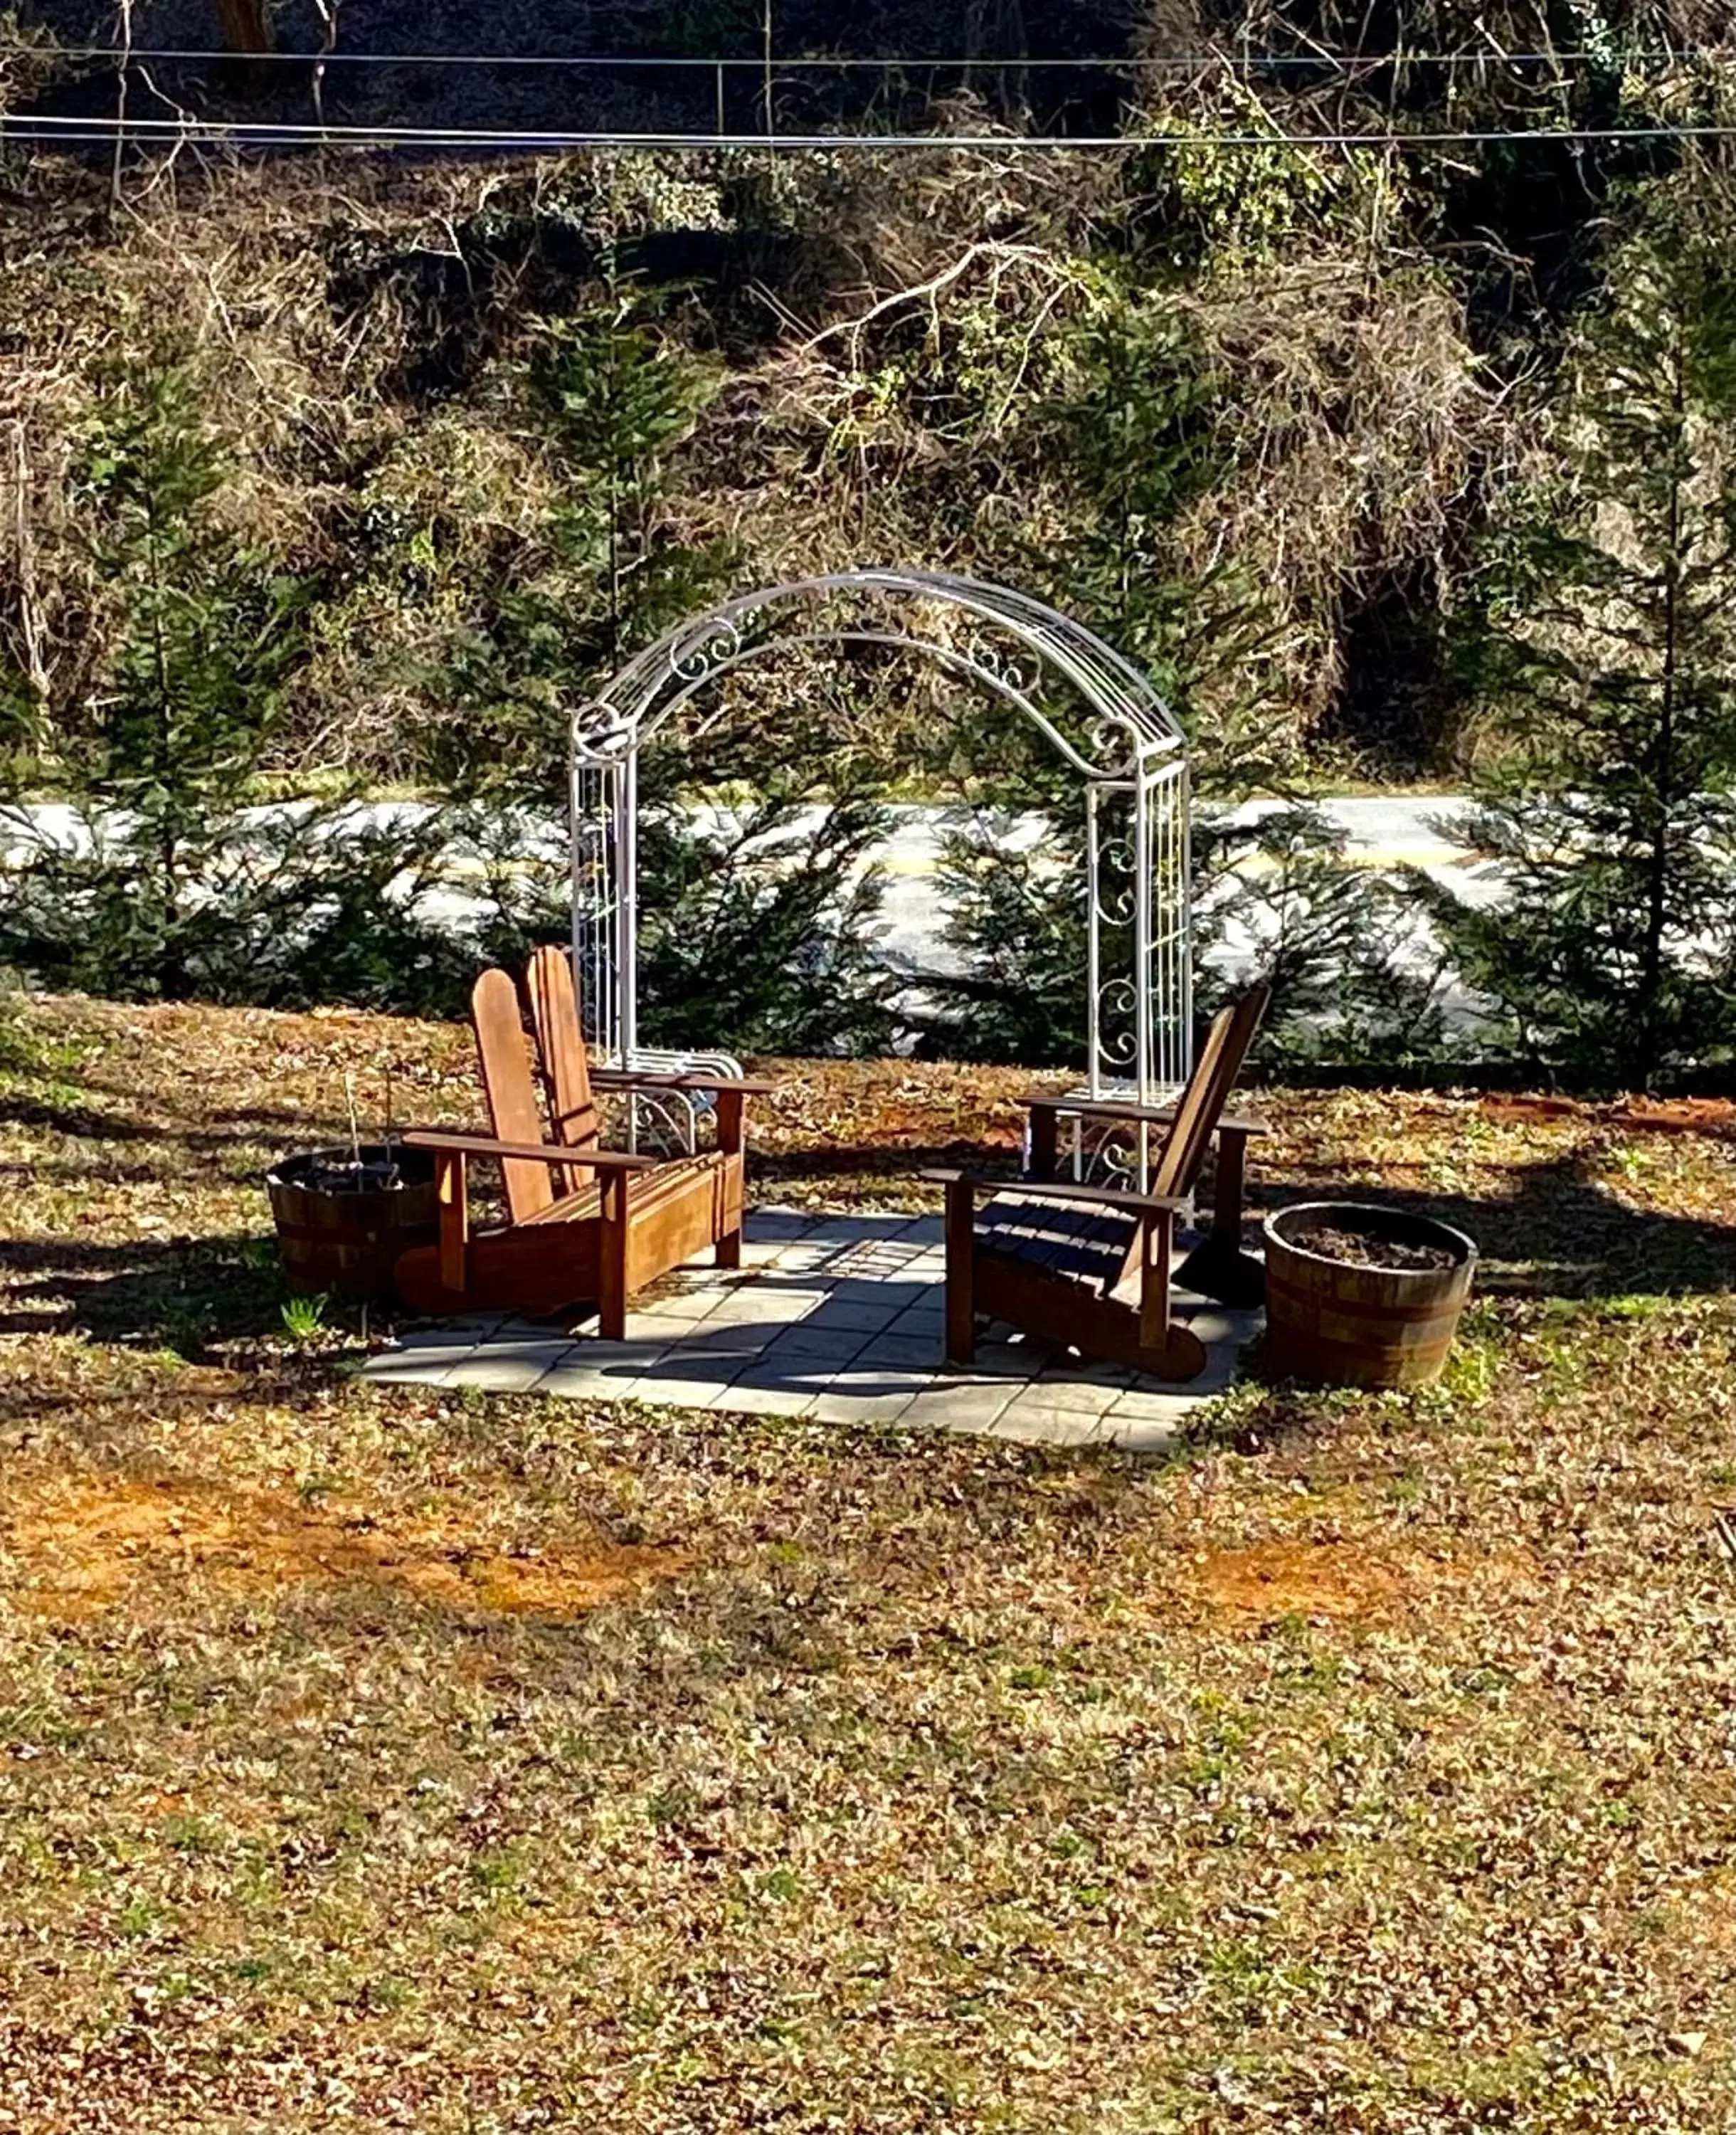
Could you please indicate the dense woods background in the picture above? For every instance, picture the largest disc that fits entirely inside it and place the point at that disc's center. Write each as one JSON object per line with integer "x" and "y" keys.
{"x": 337, "y": 470}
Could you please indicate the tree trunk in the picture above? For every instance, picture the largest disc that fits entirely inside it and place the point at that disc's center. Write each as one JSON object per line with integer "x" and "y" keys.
{"x": 246, "y": 25}
{"x": 1663, "y": 796}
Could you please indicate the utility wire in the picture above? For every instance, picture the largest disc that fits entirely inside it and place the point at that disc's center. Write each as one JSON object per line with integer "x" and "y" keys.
{"x": 1122, "y": 63}
{"x": 47, "y": 131}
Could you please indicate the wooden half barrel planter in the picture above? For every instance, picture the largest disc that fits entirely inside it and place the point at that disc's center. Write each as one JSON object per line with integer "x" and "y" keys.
{"x": 345, "y": 1215}
{"x": 1358, "y": 1295}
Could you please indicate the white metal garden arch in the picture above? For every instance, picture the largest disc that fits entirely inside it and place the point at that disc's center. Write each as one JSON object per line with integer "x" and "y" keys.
{"x": 1103, "y": 715}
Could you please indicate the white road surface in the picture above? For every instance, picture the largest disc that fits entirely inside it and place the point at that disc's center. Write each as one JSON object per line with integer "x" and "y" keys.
{"x": 1382, "y": 832}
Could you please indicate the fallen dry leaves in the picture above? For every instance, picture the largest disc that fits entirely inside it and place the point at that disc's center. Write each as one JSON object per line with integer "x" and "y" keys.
{"x": 378, "y": 1759}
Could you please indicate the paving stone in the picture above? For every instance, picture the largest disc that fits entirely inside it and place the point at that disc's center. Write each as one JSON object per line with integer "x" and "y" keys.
{"x": 676, "y": 1393}
{"x": 855, "y": 1289}
{"x": 687, "y": 1304}
{"x": 529, "y": 1330}
{"x": 836, "y": 1407}
{"x": 971, "y": 1408}
{"x": 1222, "y": 1368}
{"x": 581, "y": 1382}
{"x": 451, "y": 1338}
{"x": 744, "y": 1336}
{"x": 862, "y": 1315}
{"x": 805, "y": 1257}
{"x": 1230, "y": 1326}
{"x": 419, "y": 1367}
{"x": 1036, "y": 1423}
{"x": 1005, "y": 1360}
{"x": 774, "y": 1399}
{"x": 835, "y": 1345}
{"x": 423, "y": 1358}
{"x": 1144, "y": 1404}
{"x": 864, "y": 1224}
{"x": 790, "y": 1368}
{"x": 658, "y": 1329}
{"x": 1083, "y": 1372}
{"x": 768, "y": 1301}
{"x": 921, "y": 1350}
{"x": 779, "y": 1223}
{"x": 697, "y": 1363}
{"x": 1084, "y": 1396}
{"x": 511, "y": 1368}
{"x": 876, "y": 1382}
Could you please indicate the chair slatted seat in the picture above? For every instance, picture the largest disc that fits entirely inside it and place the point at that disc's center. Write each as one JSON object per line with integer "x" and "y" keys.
{"x": 1089, "y": 1244}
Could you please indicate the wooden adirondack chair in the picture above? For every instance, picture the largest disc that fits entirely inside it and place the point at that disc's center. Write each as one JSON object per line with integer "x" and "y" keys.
{"x": 584, "y": 1224}
{"x": 1090, "y": 1265}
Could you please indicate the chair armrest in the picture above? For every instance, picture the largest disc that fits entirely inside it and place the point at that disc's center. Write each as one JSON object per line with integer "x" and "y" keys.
{"x": 1125, "y": 1108}
{"x": 629, "y": 1078}
{"x": 527, "y": 1152}
{"x": 1062, "y": 1189}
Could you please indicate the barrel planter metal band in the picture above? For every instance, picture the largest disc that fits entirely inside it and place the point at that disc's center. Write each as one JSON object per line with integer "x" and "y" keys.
{"x": 1340, "y": 1323}
{"x": 346, "y": 1244}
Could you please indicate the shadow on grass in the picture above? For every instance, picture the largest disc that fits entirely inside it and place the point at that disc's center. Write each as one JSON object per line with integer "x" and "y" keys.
{"x": 78, "y": 1122}
{"x": 1562, "y": 1234}
{"x": 184, "y": 1294}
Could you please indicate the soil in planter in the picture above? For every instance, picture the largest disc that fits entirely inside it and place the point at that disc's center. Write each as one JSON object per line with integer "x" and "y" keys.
{"x": 1363, "y": 1249}
{"x": 373, "y": 1174}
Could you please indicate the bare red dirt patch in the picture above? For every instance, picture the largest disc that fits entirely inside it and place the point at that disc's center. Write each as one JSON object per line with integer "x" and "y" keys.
{"x": 1275, "y": 1579}
{"x": 77, "y": 1546}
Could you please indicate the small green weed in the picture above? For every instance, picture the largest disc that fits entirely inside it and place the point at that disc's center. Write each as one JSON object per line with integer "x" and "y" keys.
{"x": 304, "y": 1318}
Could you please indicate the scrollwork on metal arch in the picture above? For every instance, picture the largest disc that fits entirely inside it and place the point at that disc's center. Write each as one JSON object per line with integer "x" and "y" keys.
{"x": 710, "y": 648}
{"x": 1118, "y": 1044}
{"x": 1017, "y": 670}
{"x": 602, "y": 733}
{"x": 1115, "y": 907}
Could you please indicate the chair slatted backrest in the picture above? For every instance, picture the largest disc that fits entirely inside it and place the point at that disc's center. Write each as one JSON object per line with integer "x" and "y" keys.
{"x": 560, "y": 1044}
{"x": 505, "y": 1059}
{"x": 1183, "y": 1154}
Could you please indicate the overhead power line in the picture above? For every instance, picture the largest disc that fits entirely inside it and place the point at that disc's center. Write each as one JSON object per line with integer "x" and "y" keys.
{"x": 662, "y": 62}
{"x": 43, "y": 131}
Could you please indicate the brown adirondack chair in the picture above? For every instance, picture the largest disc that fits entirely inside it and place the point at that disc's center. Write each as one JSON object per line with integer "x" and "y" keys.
{"x": 1090, "y": 1265}
{"x": 585, "y": 1225}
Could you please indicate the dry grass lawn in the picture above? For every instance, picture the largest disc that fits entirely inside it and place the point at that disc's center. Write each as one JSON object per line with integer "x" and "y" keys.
{"x": 378, "y": 1759}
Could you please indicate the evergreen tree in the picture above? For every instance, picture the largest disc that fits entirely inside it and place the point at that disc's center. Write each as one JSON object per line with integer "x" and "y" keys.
{"x": 755, "y": 917}
{"x": 1138, "y": 431}
{"x": 1280, "y": 900}
{"x": 1604, "y": 656}
{"x": 169, "y": 881}
{"x": 610, "y": 398}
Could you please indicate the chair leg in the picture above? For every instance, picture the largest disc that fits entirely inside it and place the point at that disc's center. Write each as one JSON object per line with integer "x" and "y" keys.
{"x": 960, "y": 1287}
{"x": 728, "y": 1187}
{"x": 1157, "y": 1242}
{"x": 1226, "y": 1202}
{"x": 1218, "y": 1267}
{"x": 731, "y": 1143}
{"x": 612, "y": 1276}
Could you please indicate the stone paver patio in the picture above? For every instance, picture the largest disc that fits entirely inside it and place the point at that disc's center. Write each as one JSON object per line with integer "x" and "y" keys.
{"x": 834, "y": 1317}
